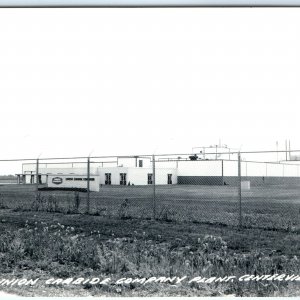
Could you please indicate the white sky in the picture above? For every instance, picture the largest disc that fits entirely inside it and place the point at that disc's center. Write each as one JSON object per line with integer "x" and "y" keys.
{"x": 73, "y": 3}
{"x": 137, "y": 81}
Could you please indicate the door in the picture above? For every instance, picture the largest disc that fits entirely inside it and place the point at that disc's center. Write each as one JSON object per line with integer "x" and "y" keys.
{"x": 123, "y": 180}
{"x": 150, "y": 178}
{"x": 169, "y": 178}
{"x": 108, "y": 178}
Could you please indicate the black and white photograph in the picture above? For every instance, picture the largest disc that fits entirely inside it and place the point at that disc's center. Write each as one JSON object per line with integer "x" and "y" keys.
{"x": 148, "y": 150}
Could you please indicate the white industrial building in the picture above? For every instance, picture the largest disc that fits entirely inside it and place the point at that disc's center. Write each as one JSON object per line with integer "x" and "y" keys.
{"x": 168, "y": 170}
{"x": 129, "y": 171}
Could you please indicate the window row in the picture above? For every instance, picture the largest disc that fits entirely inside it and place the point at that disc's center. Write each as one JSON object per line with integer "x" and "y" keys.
{"x": 79, "y": 179}
{"x": 123, "y": 178}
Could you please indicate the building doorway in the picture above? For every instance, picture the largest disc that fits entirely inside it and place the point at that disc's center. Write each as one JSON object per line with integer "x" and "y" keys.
{"x": 123, "y": 178}
{"x": 108, "y": 178}
{"x": 150, "y": 178}
{"x": 169, "y": 178}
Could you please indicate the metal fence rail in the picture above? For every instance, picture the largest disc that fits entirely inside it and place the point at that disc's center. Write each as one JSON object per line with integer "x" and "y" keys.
{"x": 251, "y": 189}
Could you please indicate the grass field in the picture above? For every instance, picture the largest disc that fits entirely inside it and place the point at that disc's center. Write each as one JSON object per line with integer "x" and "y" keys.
{"x": 273, "y": 207}
{"x": 195, "y": 234}
{"x": 54, "y": 245}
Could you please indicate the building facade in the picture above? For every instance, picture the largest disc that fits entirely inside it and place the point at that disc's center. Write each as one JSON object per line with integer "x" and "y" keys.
{"x": 137, "y": 171}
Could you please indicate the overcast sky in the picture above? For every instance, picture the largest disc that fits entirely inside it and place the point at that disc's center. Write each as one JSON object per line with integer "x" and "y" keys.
{"x": 145, "y": 2}
{"x": 132, "y": 81}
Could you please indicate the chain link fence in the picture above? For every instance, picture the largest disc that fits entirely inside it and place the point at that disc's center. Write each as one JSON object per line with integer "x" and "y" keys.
{"x": 245, "y": 189}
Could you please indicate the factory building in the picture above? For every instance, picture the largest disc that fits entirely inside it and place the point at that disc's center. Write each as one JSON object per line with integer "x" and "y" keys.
{"x": 139, "y": 171}
{"x": 127, "y": 172}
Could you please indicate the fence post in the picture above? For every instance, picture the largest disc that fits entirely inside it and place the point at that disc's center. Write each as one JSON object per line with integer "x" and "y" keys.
{"x": 222, "y": 172}
{"x": 240, "y": 189}
{"x": 153, "y": 183}
{"x": 88, "y": 187}
{"x": 37, "y": 176}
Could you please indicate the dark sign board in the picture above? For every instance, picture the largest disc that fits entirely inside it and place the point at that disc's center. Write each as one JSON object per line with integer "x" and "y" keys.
{"x": 57, "y": 180}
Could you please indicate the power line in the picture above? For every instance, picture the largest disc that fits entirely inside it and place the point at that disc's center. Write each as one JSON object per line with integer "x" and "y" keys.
{"x": 145, "y": 155}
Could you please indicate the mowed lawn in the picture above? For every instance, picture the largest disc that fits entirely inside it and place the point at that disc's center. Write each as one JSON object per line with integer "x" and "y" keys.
{"x": 269, "y": 206}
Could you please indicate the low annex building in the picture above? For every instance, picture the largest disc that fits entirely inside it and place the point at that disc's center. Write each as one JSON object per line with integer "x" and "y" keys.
{"x": 125, "y": 173}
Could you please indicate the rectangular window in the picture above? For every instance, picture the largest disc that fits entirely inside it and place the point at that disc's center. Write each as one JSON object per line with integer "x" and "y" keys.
{"x": 108, "y": 178}
{"x": 91, "y": 179}
{"x": 169, "y": 178}
{"x": 150, "y": 178}
{"x": 123, "y": 178}
{"x": 78, "y": 179}
{"x": 140, "y": 163}
{"x": 69, "y": 179}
